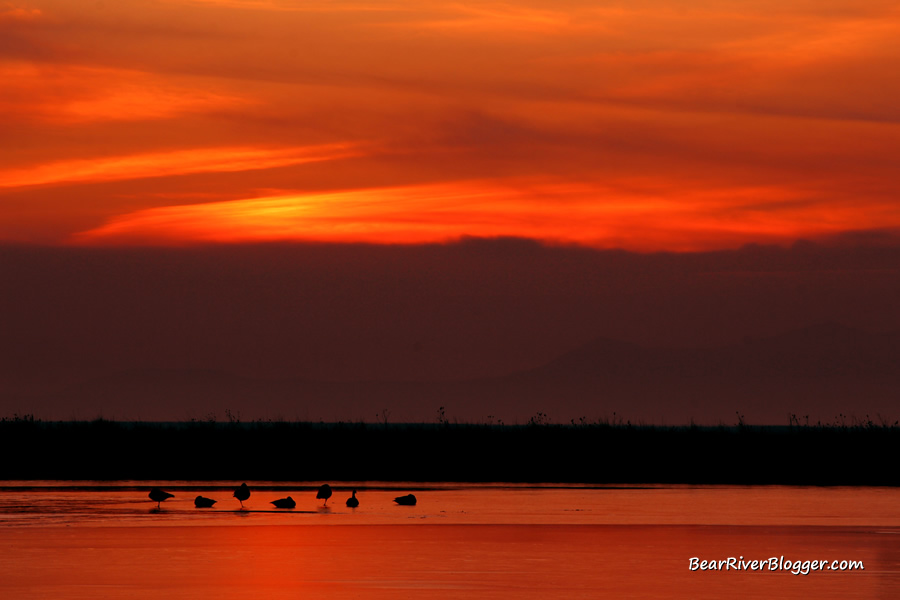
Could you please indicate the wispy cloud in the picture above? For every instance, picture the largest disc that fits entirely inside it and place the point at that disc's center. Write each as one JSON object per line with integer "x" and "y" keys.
{"x": 495, "y": 16}
{"x": 291, "y": 6}
{"x": 615, "y": 215}
{"x": 167, "y": 164}
{"x": 13, "y": 14}
{"x": 78, "y": 94}
{"x": 756, "y": 102}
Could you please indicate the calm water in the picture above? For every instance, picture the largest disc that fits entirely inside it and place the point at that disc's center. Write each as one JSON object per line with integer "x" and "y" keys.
{"x": 70, "y": 540}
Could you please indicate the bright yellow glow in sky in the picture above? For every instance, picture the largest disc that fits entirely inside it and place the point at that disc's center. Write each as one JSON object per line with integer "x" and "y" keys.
{"x": 643, "y": 125}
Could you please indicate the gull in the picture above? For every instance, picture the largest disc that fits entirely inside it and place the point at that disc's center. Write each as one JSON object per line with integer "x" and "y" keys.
{"x": 242, "y": 493}
{"x": 157, "y": 495}
{"x": 201, "y": 502}
{"x": 324, "y": 493}
{"x": 284, "y": 503}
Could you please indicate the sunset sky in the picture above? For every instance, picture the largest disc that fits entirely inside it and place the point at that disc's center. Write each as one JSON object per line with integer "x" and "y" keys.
{"x": 641, "y": 125}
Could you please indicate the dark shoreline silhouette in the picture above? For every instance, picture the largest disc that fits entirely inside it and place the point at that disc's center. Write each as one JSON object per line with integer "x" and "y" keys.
{"x": 855, "y": 454}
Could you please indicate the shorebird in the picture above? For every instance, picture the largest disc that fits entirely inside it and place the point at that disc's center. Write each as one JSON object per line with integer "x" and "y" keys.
{"x": 352, "y": 502}
{"x": 324, "y": 493}
{"x": 157, "y": 495}
{"x": 242, "y": 493}
{"x": 201, "y": 502}
{"x": 284, "y": 503}
{"x": 407, "y": 500}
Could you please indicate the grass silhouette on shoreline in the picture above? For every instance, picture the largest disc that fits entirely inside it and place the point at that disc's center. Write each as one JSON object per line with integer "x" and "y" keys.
{"x": 579, "y": 452}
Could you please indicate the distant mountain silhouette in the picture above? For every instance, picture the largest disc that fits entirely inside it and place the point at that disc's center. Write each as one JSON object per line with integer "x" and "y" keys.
{"x": 820, "y": 371}
{"x": 821, "y": 351}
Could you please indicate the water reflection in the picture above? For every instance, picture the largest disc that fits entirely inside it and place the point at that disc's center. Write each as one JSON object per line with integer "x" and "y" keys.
{"x": 46, "y": 503}
{"x": 78, "y": 541}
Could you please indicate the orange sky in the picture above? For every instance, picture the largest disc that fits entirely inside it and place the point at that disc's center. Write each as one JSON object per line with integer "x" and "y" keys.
{"x": 645, "y": 125}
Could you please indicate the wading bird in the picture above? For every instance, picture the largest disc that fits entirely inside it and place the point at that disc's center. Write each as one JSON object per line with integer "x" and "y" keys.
{"x": 407, "y": 500}
{"x": 201, "y": 502}
{"x": 284, "y": 503}
{"x": 157, "y": 495}
{"x": 352, "y": 502}
{"x": 324, "y": 493}
{"x": 242, "y": 493}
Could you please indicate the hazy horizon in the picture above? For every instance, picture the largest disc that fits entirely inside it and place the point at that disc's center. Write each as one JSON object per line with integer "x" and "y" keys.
{"x": 344, "y": 332}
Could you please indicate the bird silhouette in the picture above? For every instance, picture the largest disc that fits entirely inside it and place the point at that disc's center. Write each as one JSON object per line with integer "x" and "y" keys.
{"x": 157, "y": 495}
{"x": 284, "y": 503}
{"x": 352, "y": 501}
{"x": 201, "y": 502}
{"x": 242, "y": 493}
{"x": 407, "y": 500}
{"x": 324, "y": 493}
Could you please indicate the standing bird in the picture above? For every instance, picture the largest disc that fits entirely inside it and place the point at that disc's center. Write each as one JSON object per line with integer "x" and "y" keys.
{"x": 242, "y": 493}
{"x": 407, "y": 500}
{"x": 201, "y": 502}
{"x": 352, "y": 502}
{"x": 157, "y": 495}
{"x": 284, "y": 503}
{"x": 324, "y": 493}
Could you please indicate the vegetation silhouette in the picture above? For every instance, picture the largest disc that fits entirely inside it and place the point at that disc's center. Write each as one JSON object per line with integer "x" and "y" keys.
{"x": 845, "y": 451}
{"x": 201, "y": 502}
{"x": 158, "y": 496}
{"x": 407, "y": 500}
{"x": 242, "y": 493}
{"x": 284, "y": 503}
{"x": 353, "y": 501}
{"x": 324, "y": 493}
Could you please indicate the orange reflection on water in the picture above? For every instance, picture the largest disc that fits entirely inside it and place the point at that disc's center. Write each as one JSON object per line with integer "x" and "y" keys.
{"x": 479, "y": 541}
{"x": 435, "y": 561}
